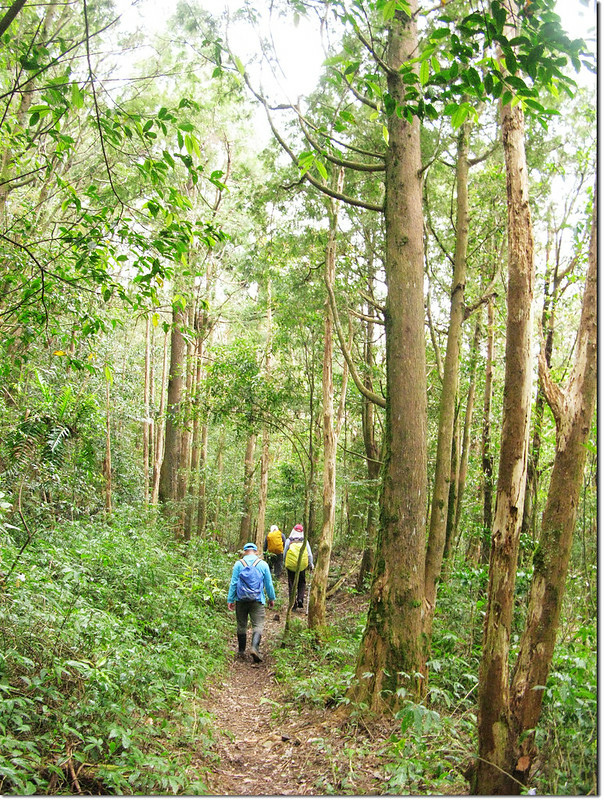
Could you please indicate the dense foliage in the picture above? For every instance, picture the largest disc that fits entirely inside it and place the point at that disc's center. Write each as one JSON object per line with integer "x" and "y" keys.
{"x": 148, "y": 238}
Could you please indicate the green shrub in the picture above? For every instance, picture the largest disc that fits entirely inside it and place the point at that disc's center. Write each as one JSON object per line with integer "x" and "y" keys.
{"x": 108, "y": 630}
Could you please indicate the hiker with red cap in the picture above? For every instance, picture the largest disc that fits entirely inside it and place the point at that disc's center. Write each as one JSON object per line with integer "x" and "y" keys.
{"x": 291, "y": 554}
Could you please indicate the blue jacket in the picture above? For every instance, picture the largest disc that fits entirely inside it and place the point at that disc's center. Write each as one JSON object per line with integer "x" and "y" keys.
{"x": 269, "y": 589}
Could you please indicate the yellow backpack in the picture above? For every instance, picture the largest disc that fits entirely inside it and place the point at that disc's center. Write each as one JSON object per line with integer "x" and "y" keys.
{"x": 291, "y": 559}
{"x": 274, "y": 542}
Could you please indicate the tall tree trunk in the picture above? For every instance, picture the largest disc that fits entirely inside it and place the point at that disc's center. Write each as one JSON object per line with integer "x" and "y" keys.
{"x": 392, "y": 642}
{"x": 195, "y": 480}
{"x": 219, "y": 475}
{"x": 147, "y": 412}
{"x": 487, "y": 455}
{"x": 186, "y": 451}
{"x": 202, "y": 500}
{"x": 331, "y": 429}
{"x": 493, "y": 690}
{"x": 264, "y": 458}
{"x": 547, "y": 325}
{"x": 263, "y": 487}
{"x": 446, "y": 422}
{"x": 245, "y": 528}
{"x": 107, "y": 460}
{"x": 160, "y": 427}
{"x": 467, "y": 430}
{"x": 453, "y": 486}
{"x": 573, "y": 412}
{"x": 372, "y": 453}
{"x": 168, "y": 482}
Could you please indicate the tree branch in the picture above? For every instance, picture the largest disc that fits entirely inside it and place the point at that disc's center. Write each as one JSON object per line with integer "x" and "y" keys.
{"x": 372, "y": 396}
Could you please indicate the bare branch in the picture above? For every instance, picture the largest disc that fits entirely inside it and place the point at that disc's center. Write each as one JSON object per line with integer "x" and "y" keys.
{"x": 372, "y": 396}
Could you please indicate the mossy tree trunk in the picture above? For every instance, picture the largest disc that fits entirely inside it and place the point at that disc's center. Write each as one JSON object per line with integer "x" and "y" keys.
{"x": 391, "y": 652}
{"x": 493, "y": 692}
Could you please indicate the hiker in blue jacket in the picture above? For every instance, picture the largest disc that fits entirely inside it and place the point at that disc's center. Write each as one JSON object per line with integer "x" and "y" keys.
{"x": 250, "y": 582}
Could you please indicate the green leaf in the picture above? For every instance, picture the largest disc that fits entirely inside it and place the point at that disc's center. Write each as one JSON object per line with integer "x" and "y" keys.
{"x": 424, "y": 73}
{"x": 321, "y": 169}
{"x": 239, "y": 65}
{"x": 388, "y": 10}
{"x": 77, "y": 98}
{"x": 460, "y": 115}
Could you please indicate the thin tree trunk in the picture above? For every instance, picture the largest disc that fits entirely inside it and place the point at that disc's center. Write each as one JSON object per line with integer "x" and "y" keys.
{"x": 573, "y": 412}
{"x": 245, "y": 528}
{"x": 186, "y": 454}
{"x": 372, "y": 453}
{"x": 446, "y": 423}
{"x": 487, "y": 455}
{"x": 219, "y": 475}
{"x": 146, "y": 412}
{"x": 467, "y": 429}
{"x": 392, "y": 646}
{"x": 202, "y": 500}
{"x": 264, "y": 458}
{"x": 453, "y": 485}
{"x": 107, "y": 460}
{"x": 331, "y": 429}
{"x": 196, "y": 443}
{"x": 160, "y": 427}
{"x": 168, "y": 483}
{"x": 263, "y": 487}
{"x": 493, "y": 691}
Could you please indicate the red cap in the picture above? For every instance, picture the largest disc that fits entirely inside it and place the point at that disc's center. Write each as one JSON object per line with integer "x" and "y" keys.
{"x": 298, "y": 527}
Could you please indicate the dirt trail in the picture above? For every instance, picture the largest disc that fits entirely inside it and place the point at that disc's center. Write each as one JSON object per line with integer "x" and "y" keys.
{"x": 266, "y": 747}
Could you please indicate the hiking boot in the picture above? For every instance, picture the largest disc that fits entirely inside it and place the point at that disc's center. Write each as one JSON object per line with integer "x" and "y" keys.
{"x": 241, "y": 642}
{"x": 254, "y": 650}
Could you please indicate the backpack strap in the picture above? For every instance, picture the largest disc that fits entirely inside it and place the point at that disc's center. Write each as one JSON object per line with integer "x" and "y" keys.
{"x": 243, "y": 561}
{"x": 256, "y": 562}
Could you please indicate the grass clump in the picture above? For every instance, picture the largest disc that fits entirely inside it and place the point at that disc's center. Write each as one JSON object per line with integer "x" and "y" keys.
{"x": 108, "y": 631}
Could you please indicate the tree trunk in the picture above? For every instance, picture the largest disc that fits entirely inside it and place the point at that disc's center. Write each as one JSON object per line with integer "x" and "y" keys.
{"x": 264, "y": 458}
{"x": 263, "y": 487}
{"x": 446, "y": 422}
{"x": 467, "y": 431}
{"x": 372, "y": 453}
{"x": 453, "y": 485}
{"x": 493, "y": 691}
{"x": 146, "y": 411}
{"x": 573, "y": 412}
{"x": 219, "y": 475}
{"x": 391, "y": 652}
{"x": 487, "y": 456}
{"x": 202, "y": 499}
{"x": 195, "y": 480}
{"x": 186, "y": 444}
{"x": 168, "y": 482}
{"x": 331, "y": 428}
{"x": 107, "y": 459}
{"x": 245, "y": 528}
{"x": 160, "y": 427}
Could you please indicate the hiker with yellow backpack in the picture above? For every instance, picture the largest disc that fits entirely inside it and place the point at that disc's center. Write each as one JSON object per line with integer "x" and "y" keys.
{"x": 291, "y": 552}
{"x": 274, "y": 544}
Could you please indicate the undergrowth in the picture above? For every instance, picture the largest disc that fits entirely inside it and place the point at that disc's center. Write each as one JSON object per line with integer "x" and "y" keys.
{"x": 108, "y": 631}
{"x": 431, "y": 745}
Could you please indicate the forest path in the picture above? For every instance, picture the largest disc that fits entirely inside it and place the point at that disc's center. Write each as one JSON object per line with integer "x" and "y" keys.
{"x": 268, "y": 746}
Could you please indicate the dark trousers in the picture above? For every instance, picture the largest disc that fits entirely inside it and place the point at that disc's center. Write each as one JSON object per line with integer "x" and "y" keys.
{"x": 253, "y": 609}
{"x": 291, "y": 576}
{"x": 275, "y": 563}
